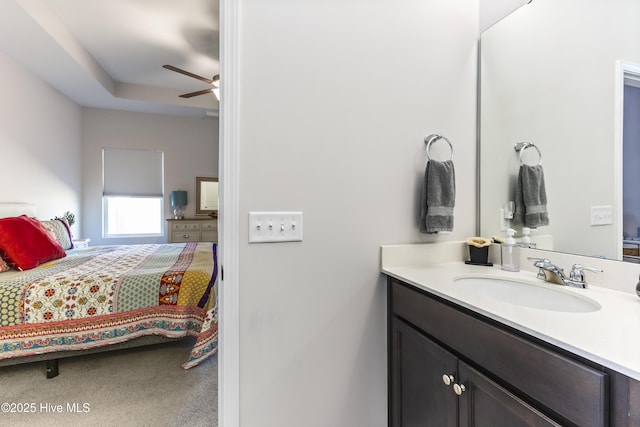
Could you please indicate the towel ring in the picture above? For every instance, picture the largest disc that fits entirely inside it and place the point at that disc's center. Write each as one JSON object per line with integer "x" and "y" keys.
{"x": 433, "y": 138}
{"x": 521, "y": 146}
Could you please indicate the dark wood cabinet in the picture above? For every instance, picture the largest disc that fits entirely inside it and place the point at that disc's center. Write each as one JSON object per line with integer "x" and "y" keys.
{"x": 503, "y": 377}
{"x": 485, "y": 403}
{"x": 418, "y": 365}
{"x": 426, "y": 382}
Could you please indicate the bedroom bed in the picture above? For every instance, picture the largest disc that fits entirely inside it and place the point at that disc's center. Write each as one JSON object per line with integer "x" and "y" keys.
{"x": 59, "y": 301}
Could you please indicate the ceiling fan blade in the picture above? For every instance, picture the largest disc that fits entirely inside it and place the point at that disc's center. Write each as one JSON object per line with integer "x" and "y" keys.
{"x": 186, "y": 73}
{"x": 200, "y": 92}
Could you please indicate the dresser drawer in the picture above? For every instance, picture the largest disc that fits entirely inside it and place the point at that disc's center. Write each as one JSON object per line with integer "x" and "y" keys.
{"x": 209, "y": 226}
{"x": 192, "y": 230}
{"x": 209, "y": 236}
{"x": 185, "y": 226}
{"x": 185, "y": 236}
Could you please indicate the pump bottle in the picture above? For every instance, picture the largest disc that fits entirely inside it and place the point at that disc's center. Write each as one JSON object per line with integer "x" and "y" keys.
{"x": 510, "y": 253}
{"x": 526, "y": 238}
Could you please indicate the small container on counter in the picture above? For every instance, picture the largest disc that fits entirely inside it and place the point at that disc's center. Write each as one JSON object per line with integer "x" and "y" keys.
{"x": 510, "y": 253}
{"x": 478, "y": 251}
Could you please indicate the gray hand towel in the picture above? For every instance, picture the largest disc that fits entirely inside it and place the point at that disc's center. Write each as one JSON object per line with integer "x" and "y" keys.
{"x": 438, "y": 197}
{"x": 531, "y": 198}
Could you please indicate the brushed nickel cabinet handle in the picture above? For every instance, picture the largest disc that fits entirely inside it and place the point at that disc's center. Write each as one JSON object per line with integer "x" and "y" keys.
{"x": 447, "y": 379}
{"x": 459, "y": 389}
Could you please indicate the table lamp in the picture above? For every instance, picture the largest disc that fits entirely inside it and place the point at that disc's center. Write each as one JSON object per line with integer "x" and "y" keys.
{"x": 178, "y": 202}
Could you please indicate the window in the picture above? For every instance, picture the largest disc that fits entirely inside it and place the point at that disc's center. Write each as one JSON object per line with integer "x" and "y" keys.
{"x": 132, "y": 192}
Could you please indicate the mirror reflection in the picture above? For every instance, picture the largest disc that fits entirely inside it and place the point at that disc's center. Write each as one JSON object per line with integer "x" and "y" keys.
{"x": 562, "y": 74}
{"x": 206, "y": 196}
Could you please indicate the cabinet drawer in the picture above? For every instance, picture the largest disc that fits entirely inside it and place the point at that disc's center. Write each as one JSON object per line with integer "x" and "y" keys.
{"x": 185, "y": 236}
{"x": 566, "y": 387}
{"x": 209, "y": 226}
{"x": 209, "y": 236}
{"x": 185, "y": 226}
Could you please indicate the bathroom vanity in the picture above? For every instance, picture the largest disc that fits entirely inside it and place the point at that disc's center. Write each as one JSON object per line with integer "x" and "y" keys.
{"x": 458, "y": 357}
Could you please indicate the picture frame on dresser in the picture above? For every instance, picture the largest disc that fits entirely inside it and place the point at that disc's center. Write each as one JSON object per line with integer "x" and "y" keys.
{"x": 207, "y": 196}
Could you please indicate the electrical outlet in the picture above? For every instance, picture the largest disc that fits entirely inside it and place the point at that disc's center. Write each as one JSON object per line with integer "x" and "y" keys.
{"x": 271, "y": 227}
{"x": 601, "y": 215}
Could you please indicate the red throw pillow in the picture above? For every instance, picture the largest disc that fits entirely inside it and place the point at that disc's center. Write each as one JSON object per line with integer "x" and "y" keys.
{"x": 25, "y": 243}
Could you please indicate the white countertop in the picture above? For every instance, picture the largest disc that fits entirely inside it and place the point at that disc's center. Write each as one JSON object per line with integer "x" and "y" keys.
{"x": 609, "y": 336}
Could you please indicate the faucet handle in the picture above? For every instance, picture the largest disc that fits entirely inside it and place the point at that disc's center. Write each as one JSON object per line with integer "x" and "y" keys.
{"x": 577, "y": 272}
{"x": 540, "y": 263}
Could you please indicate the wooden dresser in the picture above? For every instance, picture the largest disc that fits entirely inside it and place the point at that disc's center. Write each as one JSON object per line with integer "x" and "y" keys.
{"x": 192, "y": 230}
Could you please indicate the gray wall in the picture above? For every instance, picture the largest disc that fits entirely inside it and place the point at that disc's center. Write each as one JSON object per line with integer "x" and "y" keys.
{"x": 190, "y": 147}
{"x": 335, "y": 100}
{"x": 39, "y": 144}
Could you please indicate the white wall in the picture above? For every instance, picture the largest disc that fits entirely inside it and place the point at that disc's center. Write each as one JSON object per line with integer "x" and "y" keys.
{"x": 492, "y": 11}
{"x": 190, "y": 149}
{"x": 39, "y": 144}
{"x": 335, "y": 101}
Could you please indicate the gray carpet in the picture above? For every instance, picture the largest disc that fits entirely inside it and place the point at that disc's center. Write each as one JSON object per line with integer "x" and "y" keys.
{"x": 136, "y": 387}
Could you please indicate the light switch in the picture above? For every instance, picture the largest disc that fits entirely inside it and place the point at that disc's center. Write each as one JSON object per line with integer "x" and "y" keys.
{"x": 270, "y": 227}
{"x": 601, "y": 215}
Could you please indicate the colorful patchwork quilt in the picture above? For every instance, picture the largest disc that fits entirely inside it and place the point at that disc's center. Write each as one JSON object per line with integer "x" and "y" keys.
{"x": 109, "y": 294}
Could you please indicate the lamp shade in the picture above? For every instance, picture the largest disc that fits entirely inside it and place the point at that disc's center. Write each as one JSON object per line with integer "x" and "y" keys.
{"x": 178, "y": 198}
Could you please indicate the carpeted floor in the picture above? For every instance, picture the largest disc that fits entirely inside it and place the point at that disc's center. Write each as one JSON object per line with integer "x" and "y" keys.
{"x": 135, "y": 387}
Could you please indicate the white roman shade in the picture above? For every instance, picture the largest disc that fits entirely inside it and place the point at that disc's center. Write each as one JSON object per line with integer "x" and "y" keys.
{"x": 132, "y": 172}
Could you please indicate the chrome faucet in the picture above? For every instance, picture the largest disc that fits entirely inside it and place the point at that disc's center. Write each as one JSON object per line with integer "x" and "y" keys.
{"x": 553, "y": 274}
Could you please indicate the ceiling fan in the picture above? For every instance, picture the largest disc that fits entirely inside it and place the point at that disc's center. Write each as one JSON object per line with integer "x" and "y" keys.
{"x": 215, "y": 82}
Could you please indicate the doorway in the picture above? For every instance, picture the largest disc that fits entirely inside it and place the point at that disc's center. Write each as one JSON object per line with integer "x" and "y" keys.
{"x": 628, "y": 158}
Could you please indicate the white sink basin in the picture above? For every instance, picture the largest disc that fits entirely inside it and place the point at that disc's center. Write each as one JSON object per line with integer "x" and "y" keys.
{"x": 522, "y": 293}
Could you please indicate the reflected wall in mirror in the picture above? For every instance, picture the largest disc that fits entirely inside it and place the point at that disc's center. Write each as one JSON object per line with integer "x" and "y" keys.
{"x": 550, "y": 75}
{"x": 206, "y": 196}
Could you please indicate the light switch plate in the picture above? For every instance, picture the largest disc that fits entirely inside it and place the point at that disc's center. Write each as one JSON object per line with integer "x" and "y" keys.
{"x": 504, "y": 223}
{"x": 272, "y": 227}
{"x": 601, "y": 215}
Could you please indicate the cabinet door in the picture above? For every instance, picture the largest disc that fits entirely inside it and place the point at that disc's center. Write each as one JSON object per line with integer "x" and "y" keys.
{"x": 417, "y": 393}
{"x": 485, "y": 403}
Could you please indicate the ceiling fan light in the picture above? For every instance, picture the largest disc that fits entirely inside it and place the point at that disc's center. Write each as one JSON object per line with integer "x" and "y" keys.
{"x": 216, "y": 92}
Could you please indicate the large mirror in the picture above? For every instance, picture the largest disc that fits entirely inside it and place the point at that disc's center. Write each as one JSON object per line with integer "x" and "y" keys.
{"x": 552, "y": 73}
{"x": 206, "y": 196}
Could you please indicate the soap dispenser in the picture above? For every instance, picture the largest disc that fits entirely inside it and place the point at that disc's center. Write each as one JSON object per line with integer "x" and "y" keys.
{"x": 510, "y": 253}
{"x": 526, "y": 238}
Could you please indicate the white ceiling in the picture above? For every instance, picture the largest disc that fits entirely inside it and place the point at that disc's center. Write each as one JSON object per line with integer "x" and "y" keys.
{"x": 109, "y": 53}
